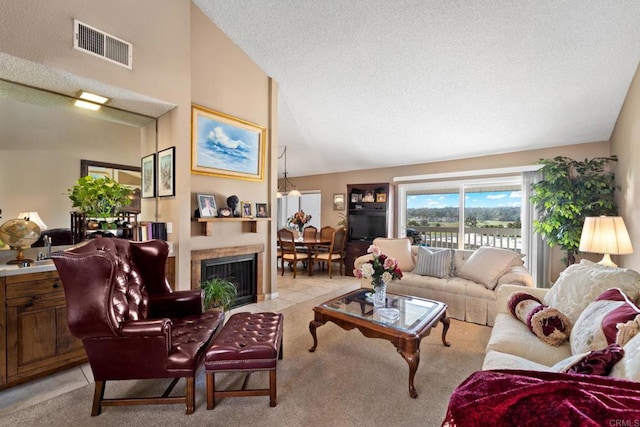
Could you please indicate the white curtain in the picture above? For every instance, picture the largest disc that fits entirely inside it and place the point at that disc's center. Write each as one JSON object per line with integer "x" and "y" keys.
{"x": 535, "y": 249}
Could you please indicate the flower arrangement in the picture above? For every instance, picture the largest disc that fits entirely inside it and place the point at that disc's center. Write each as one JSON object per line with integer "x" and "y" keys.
{"x": 380, "y": 269}
{"x": 299, "y": 219}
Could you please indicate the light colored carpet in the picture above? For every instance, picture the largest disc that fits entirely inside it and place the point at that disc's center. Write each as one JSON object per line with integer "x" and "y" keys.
{"x": 350, "y": 380}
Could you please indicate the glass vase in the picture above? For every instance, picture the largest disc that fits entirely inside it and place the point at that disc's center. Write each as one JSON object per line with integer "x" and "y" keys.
{"x": 380, "y": 295}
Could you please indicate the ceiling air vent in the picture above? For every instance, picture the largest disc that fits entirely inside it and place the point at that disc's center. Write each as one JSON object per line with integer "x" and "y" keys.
{"x": 101, "y": 44}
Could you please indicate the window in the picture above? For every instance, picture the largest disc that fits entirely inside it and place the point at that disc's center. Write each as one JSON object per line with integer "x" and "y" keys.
{"x": 463, "y": 214}
{"x": 308, "y": 202}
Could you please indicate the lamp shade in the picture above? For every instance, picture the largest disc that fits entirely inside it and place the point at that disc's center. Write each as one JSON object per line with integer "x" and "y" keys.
{"x": 605, "y": 235}
{"x": 33, "y": 217}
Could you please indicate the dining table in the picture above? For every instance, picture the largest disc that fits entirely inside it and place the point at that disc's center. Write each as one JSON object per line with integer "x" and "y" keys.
{"x": 312, "y": 244}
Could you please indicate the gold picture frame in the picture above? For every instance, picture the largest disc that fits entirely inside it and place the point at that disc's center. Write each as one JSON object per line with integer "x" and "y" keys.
{"x": 246, "y": 209}
{"x": 226, "y": 146}
{"x": 338, "y": 201}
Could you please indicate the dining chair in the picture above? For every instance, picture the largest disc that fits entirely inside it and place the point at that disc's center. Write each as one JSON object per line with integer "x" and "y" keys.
{"x": 289, "y": 252}
{"x": 310, "y": 232}
{"x": 336, "y": 251}
{"x": 326, "y": 233}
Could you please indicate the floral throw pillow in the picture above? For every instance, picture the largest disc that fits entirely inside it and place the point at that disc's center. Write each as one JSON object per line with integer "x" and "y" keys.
{"x": 547, "y": 323}
{"x": 580, "y": 284}
{"x": 603, "y": 320}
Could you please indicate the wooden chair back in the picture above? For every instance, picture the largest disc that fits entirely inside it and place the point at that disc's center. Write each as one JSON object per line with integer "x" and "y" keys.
{"x": 310, "y": 232}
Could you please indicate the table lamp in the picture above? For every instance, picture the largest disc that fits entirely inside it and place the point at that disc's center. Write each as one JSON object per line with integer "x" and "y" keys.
{"x": 605, "y": 235}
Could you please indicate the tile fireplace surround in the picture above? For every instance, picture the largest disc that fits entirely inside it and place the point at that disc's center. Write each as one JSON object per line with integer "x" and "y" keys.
{"x": 199, "y": 255}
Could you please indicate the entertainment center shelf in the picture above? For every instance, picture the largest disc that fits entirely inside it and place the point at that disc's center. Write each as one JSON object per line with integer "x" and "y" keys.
{"x": 369, "y": 211}
{"x": 208, "y": 223}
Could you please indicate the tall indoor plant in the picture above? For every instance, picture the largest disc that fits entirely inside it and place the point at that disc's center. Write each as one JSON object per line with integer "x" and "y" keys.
{"x": 101, "y": 198}
{"x": 569, "y": 192}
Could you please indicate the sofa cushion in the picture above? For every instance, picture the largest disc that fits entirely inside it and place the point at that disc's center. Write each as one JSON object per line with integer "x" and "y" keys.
{"x": 597, "y": 325}
{"x": 511, "y": 336}
{"x": 400, "y": 249}
{"x": 546, "y": 323}
{"x": 487, "y": 264}
{"x": 433, "y": 262}
{"x": 580, "y": 284}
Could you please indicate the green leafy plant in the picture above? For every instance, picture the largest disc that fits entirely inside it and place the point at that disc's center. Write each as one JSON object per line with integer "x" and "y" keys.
{"x": 219, "y": 292}
{"x": 99, "y": 197}
{"x": 569, "y": 192}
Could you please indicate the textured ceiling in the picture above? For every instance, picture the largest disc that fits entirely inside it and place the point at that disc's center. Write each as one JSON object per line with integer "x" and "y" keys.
{"x": 367, "y": 84}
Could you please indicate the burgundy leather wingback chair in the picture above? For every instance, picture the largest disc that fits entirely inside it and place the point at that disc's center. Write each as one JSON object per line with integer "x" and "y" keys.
{"x": 132, "y": 325}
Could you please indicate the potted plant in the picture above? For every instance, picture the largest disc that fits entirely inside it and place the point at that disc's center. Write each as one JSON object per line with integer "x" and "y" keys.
{"x": 569, "y": 192}
{"x": 101, "y": 198}
{"x": 219, "y": 293}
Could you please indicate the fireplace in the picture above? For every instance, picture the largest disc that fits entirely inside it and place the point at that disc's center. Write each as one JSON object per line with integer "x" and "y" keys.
{"x": 241, "y": 265}
{"x": 239, "y": 270}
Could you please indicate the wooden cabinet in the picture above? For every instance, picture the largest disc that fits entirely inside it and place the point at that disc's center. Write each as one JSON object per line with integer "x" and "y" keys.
{"x": 370, "y": 215}
{"x": 36, "y": 339}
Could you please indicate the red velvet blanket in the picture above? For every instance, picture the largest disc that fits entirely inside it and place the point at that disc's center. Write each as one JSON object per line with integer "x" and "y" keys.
{"x": 528, "y": 398}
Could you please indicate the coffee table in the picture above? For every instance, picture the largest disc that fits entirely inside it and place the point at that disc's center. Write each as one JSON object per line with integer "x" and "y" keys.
{"x": 416, "y": 317}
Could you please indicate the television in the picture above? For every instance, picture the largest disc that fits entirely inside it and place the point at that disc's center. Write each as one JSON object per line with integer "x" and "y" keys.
{"x": 367, "y": 227}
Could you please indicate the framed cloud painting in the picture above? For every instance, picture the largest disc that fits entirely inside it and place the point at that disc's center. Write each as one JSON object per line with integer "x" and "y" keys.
{"x": 225, "y": 146}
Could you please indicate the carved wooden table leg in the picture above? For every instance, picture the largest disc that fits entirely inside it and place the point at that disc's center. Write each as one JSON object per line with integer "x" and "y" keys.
{"x": 445, "y": 327}
{"x": 413, "y": 360}
{"x": 312, "y": 328}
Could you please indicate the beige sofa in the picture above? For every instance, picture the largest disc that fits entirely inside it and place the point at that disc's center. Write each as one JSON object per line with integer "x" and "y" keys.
{"x": 513, "y": 346}
{"x": 467, "y": 281}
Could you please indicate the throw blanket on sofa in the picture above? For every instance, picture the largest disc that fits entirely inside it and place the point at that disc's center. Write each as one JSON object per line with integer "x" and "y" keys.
{"x": 508, "y": 398}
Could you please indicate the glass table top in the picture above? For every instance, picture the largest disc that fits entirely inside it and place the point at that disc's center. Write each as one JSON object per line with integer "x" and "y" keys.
{"x": 412, "y": 313}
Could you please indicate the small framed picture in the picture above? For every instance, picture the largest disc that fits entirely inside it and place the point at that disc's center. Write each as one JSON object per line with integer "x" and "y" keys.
{"x": 338, "y": 201}
{"x": 368, "y": 196}
{"x": 148, "y": 176}
{"x": 261, "y": 210}
{"x": 167, "y": 172}
{"x": 356, "y": 197}
{"x": 246, "y": 209}
{"x": 381, "y": 197}
{"x": 207, "y": 205}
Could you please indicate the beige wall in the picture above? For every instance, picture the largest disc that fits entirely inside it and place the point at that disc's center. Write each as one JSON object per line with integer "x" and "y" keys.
{"x": 225, "y": 79}
{"x": 174, "y": 47}
{"x": 337, "y": 182}
{"x": 625, "y": 142}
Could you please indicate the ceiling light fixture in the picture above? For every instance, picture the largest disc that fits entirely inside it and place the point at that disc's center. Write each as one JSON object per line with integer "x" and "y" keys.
{"x": 90, "y": 101}
{"x": 85, "y": 104}
{"x": 97, "y": 99}
{"x": 294, "y": 192}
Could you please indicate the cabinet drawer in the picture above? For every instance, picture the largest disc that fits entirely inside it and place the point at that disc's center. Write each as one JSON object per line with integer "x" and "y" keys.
{"x": 47, "y": 288}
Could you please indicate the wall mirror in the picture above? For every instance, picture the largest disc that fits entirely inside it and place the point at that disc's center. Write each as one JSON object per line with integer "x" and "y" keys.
{"x": 44, "y": 139}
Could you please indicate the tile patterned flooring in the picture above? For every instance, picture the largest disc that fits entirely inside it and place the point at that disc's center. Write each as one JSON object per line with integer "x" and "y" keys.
{"x": 290, "y": 292}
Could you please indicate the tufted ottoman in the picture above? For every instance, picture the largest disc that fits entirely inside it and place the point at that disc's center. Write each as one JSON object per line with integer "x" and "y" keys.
{"x": 248, "y": 342}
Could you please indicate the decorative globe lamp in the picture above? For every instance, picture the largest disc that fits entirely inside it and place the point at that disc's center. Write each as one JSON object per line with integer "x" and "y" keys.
{"x": 19, "y": 233}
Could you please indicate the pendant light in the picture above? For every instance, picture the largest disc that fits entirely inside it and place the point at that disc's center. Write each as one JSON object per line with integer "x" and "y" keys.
{"x": 294, "y": 192}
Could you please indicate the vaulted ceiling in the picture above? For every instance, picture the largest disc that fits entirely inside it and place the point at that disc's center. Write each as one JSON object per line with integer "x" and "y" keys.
{"x": 373, "y": 83}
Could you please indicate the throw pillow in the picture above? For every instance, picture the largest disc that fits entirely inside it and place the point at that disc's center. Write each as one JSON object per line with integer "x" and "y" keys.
{"x": 487, "y": 264}
{"x": 435, "y": 263}
{"x": 597, "y": 326}
{"x": 579, "y": 284}
{"x": 548, "y": 324}
{"x": 400, "y": 249}
{"x": 597, "y": 362}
